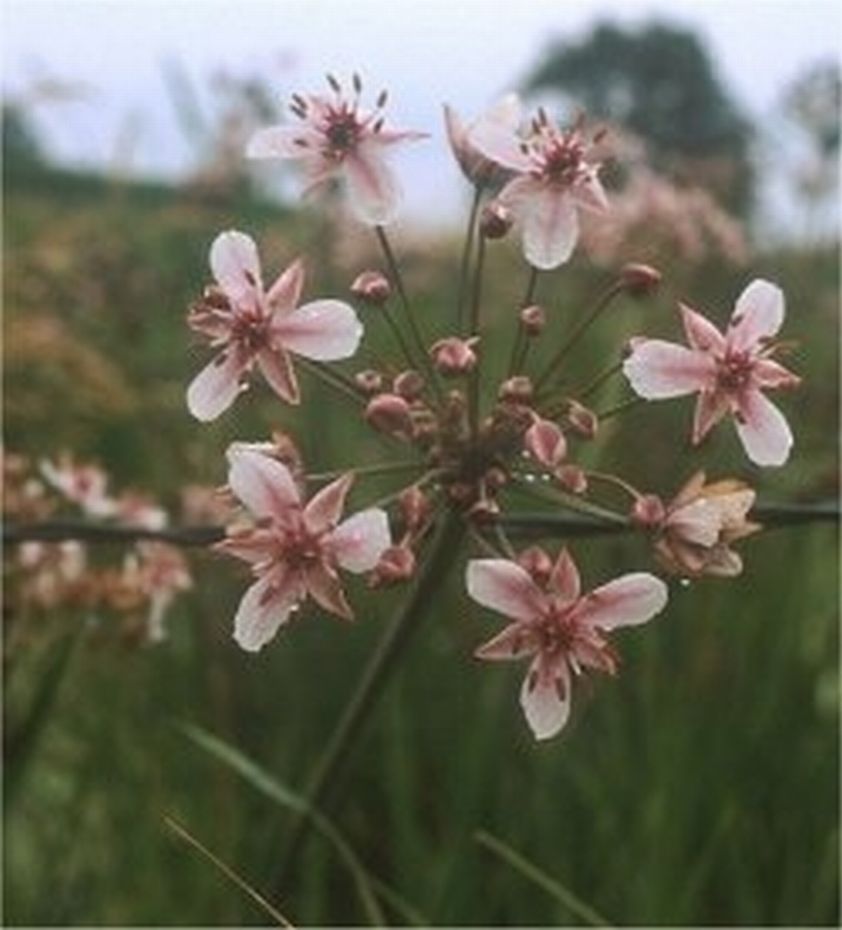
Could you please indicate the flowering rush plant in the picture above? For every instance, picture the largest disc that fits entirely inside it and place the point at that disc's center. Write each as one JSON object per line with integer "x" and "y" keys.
{"x": 469, "y": 435}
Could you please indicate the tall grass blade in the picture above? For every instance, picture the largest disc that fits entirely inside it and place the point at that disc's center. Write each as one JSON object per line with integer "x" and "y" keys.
{"x": 540, "y": 878}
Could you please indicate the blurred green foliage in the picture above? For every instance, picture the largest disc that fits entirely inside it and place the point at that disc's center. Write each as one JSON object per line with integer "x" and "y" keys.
{"x": 700, "y": 787}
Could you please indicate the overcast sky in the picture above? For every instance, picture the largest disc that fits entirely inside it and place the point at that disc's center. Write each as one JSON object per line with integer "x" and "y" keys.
{"x": 426, "y": 51}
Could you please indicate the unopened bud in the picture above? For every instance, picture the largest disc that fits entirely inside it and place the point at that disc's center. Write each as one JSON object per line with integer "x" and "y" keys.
{"x": 516, "y": 390}
{"x": 582, "y": 419}
{"x": 409, "y": 384}
{"x": 533, "y": 319}
{"x": 572, "y": 478}
{"x": 389, "y": 413}
{"x": 648, "y": 511}
{"x": 373, "y": 287}
{"x": 495, "y": 221}
{"x": 415, "y": 507}
{"x": 639, "y": 280}
{"x": 454, "y": 356}
{"x": 545, "y": 441}
{"x": 537, "y": 563}
{"x": 396, "y": 564}
{"x": 369, "y": 381}
{"x": 496, "y": 478}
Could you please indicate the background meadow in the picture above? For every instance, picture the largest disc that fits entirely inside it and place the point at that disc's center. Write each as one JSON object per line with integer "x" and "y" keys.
{"x": 699, "y": 787}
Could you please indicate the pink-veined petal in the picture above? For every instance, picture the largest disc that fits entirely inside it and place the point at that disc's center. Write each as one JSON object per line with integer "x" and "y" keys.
{"x": 763, "y": 430}
{"x": 324, "y": 509}
{"x": 253, "y": 546}
{"x": 711, "y": 407}
{"x": 501, "y": 585}
{"x": 626, "y": 601}
{"x": 758, "y": 314}
{"x": 263, "y": 484}
{"x": 236, "y": 266}
{"x": 284, "y": 294}
{"x": 514, "y": 642}
{"x": 324, "y": 586}
{"x": 216, "y": 386}
{"x": 550, "y": 227}
{"x": 499, "y": 142}
{"x": 589, "y": 193}
{"x": 699, "y": 522}
{"x": 545, "y": 697}
{"x": 358, "y": 542}
{"x": 324, "y": 330}
{"x": 282, "y": 142}
{"x": 372, "y": 188}
{"x": 658, "y": 369}
{"x": 769, "y": 374}
{"x": 276, "y": 367}
{"x": 701, "y": 333}
{"x": 265, "y": 606}
{"x": 565, "y": 576}
{"x": 396, "y": 136}
{"x": 723, "y": 562}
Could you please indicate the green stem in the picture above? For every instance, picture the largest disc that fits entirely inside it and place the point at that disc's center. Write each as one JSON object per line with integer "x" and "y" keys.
{"x": 620, "y": 408}
{"x": 417, "y": 338}
{"x": 334, "y": 379}
{"x": 396, "y": 332}
{"x": 571, "y": 502}
{"x": 466, "y": 259}
{"x": 579, "y": 331}
{"x": 476, "y": 303}
{"x": 383, "y": 469}
{"x": 598, "y": 381}
{"x": 521, "y": 340}
{"x": 381, "y": 664}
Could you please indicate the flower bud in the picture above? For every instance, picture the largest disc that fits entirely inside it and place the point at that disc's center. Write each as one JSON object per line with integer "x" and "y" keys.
{"x": 485, "y": 510}
{"x": 639, "y": 280}
{"x": 372, "y": 287}
{"x": 409, "y": 384}
{"x": 495, "y": 221}
{"x": 496, "y": 478}
{"x": 648, "y": 511}
{"x": 516, "y": 390}
{"x": 533, "y": 319}
{"x": 572, "y": 478}
{"x": 545, "y": 441}
{"x": 454, "y": 356}
{"x": 397, "y": 564}
{"x": 582, "y": 419}
{"x": 389, "y": 413}
{"x": 369, "y": 381}
{"x": 415, "y": 507}
{"x": 537, "y": 563}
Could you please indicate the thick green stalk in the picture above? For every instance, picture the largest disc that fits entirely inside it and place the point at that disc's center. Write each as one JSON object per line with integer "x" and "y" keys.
{"x": 375, "y": 676}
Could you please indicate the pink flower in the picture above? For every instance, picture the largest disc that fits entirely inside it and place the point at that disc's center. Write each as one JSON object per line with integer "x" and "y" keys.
{"x": 730, "y": 372}
{"x": 251, "y": 325}
{"x": 295, "y": 549}
{"x": 554, "y": 178}
{"x": 336, "y": 138}
{"x": 84, "y": 485}
{"x": 162, "y": 573}
{"x": 478, "y": 169}
{"x": 561, "y": 630}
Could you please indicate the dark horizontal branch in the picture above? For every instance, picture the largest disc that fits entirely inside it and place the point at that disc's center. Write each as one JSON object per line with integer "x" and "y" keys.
{"x": 533, "y": 523}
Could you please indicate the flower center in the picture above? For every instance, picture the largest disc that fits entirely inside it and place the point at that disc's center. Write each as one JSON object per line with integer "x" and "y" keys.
{"x": 342, "y": 132}
{"x": 734, "y": 371}
{"x": 250, "y": 330}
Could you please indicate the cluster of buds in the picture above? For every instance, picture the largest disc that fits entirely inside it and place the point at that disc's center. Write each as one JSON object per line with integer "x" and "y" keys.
{"x": 43, "y": 575}
{"x": 474, "y": 444}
